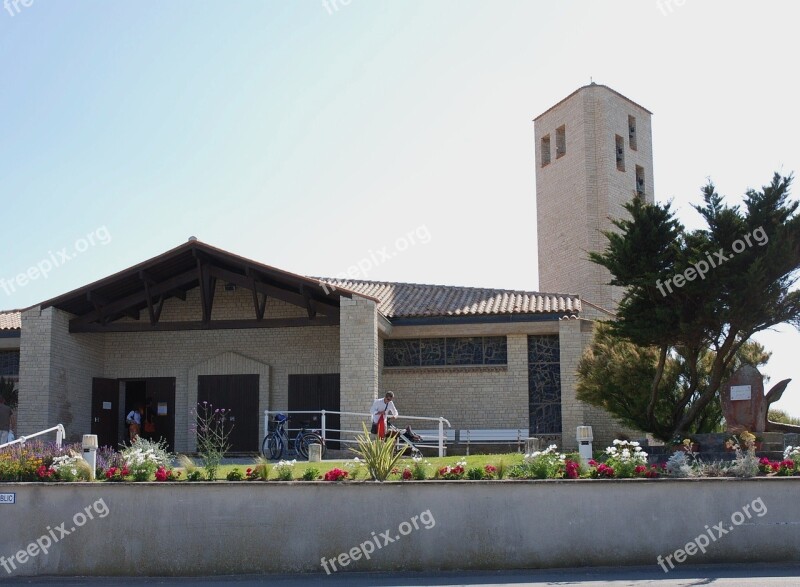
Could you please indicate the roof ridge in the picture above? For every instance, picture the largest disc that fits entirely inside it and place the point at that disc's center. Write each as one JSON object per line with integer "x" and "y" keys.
{"x": 462, "y": 287}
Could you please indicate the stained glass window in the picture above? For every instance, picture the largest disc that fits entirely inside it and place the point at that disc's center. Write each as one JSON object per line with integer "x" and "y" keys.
{"x": 544, "y": 384}
{"x": 9, "y": 363}
{"x": 433, "y": 352}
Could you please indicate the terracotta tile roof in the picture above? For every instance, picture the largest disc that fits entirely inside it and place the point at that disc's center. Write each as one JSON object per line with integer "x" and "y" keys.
{"x": 11, "y": 320}
{"x": 406, "y": 300}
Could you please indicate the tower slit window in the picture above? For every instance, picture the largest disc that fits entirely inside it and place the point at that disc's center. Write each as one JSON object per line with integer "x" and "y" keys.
{"x": 639, "y": 180}
{"x": 545, "y": 148}
{"x": 632, "y": 132}
{"x": 619, "y": 152}
{"x": 561, "y": 141}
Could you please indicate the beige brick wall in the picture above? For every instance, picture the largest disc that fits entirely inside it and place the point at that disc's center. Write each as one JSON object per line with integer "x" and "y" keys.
{"x": 359, "y": 358}
{"x": 578, "y": 193}
{"x": 56, "y": 371}
{"x": 469, "y": 397}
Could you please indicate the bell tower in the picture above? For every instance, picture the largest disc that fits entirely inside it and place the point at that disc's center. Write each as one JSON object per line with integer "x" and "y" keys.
{"x": 594, "y": 152}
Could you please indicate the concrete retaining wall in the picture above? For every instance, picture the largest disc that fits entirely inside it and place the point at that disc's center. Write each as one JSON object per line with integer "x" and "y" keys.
{"x": 230, "y": 528}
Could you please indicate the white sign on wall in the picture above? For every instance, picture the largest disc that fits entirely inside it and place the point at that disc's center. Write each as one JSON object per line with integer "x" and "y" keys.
{"x": 8, "y": 498}
{"x": 740, "y": 392}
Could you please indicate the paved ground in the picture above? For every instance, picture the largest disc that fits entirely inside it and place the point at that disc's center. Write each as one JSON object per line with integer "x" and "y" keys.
{"x": 715, "y": 575}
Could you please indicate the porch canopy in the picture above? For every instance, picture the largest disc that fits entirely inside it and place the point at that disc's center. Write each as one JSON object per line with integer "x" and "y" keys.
{"x": 99, "y": 306}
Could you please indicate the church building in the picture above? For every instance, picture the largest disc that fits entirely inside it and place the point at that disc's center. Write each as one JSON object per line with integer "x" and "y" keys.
{"x": 198, "y": 323}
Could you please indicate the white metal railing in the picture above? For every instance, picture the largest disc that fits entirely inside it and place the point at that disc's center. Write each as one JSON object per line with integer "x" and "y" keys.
{"x": 58, "y": 428}
{"x": 325, "y": 430}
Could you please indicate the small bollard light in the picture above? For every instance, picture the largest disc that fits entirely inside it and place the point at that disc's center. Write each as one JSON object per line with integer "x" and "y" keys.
{"x": 89, "y": 446}
{"x": 585, "y": 437}
{"x": 314, "y": 453}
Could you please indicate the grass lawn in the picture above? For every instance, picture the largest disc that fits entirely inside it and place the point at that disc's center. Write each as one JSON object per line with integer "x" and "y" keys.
{"x": 435, "y": 462}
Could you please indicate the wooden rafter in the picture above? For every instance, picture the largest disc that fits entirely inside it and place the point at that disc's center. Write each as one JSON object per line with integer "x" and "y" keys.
{"x": 259, "y": 300}
{"x": 121, "y": 306}
{"x": 295, "y": 298}
{"x": 311, "y": 306}
{"x": 101, "y": 306}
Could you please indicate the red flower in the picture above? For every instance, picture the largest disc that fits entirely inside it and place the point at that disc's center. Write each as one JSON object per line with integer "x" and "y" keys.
{"x": 653, "y": 472}
{"x": 592, "y": 463}
{"x": 604, "y": 470}
{"x": 490, "y": 469}
{"x": 163, "y": 474}
{"x": 45, "y": 473}
{"x": 336, "y": 475}
{"x": 406, "y": 474}
{"x": 572, "y": 470}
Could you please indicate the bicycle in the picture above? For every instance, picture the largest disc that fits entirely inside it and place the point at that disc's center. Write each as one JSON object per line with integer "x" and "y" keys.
{"x": 278, "y": 440}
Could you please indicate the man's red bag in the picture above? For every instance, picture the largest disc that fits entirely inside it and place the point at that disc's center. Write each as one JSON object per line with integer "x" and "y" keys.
{"x": 382, "y": 427}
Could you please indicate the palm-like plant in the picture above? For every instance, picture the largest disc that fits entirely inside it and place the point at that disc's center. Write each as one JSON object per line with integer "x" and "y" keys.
{"x": 379, "y": 456}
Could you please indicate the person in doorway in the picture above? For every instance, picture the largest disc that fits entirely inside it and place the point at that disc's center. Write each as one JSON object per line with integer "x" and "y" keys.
{"x": 382, "y": 410}
{"x": 134, "y": 422}
{"x": 6, "y": 417}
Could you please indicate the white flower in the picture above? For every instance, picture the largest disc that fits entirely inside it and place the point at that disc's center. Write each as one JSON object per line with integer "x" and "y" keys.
{"x": 617, "y": 441}
{"x": 634, "y": 444}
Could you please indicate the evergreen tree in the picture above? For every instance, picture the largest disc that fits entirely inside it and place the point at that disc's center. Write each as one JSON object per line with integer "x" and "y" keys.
{"x": 700, "y": 295}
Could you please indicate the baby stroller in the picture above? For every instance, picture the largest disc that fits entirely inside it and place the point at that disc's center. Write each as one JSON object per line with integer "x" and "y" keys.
{"x": 405, "y": 438}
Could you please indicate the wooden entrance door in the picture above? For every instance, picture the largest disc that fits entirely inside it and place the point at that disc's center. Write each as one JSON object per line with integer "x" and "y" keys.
{"x": 161, "y": 393}
{"x": 105, "y": 410}
{"x": 315, "y": 392}
{"x": 238, "y": 395}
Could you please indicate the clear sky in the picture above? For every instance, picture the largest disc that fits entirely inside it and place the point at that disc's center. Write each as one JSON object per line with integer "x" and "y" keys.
{"x": 312, "y": 137}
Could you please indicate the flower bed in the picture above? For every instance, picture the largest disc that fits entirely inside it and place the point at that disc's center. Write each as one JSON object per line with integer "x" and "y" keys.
{"x": 149, "y": 461}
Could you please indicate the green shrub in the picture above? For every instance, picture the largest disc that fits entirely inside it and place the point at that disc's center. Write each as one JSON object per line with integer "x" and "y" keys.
{"x": 310, "y": 474}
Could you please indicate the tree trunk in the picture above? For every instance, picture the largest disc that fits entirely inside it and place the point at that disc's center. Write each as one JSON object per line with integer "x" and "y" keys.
{"x": 651, "y": 407}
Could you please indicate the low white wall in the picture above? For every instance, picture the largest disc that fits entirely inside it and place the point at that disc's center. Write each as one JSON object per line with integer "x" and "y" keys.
{"x": 230, "y": 528}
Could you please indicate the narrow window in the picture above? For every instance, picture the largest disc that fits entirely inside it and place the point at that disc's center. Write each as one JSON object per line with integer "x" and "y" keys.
{"x": 545, "y": 150}
{"x": 619, "y": 150}
{"x": 632, "y": 131}
{"x": 561, "y": 141}
{"x": 639, "y": 180}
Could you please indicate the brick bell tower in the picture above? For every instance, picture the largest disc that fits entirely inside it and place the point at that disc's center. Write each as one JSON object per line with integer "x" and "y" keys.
{"x": 594, "y": 152}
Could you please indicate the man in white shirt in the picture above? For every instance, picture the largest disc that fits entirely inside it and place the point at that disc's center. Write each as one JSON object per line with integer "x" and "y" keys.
{"x": 385, "y": 407}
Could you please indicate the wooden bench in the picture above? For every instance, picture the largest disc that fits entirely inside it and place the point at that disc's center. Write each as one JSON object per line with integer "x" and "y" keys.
{"x": 429, "y": 436}
{"x": 493, "y": 436}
